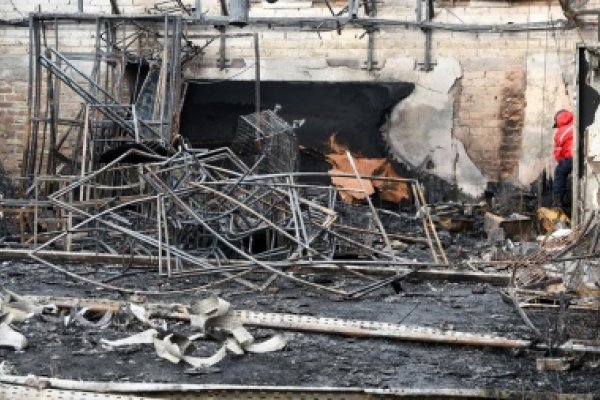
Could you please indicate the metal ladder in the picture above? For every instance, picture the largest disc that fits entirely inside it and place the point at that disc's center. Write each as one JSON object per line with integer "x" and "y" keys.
{"x": 114, "y": 111}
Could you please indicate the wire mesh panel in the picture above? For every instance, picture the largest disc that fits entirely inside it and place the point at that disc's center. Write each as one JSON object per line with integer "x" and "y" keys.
{"x": 268, "y": 138}
{"x": 358, "y": 220}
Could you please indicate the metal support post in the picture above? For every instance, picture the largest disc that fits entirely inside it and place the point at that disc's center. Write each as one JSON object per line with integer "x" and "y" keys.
{"x": 198, "y": 9}
{"x": 353, "y": 8}
{"x": 257, "y": 78}
{"x": 239, "y": 12}
{"x": 223, "y": 61}
{"x": 427, "y": 64}
{"x": 371, "y": 64}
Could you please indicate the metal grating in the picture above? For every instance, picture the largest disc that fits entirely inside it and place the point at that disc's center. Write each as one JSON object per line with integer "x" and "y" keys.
{"x": 267, "y": 136}
{"x": 15, "y": 392}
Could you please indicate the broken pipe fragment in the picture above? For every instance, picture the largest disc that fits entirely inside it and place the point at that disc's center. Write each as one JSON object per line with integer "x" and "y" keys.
{"x": 9, "y": 337}
{"x": 274, "y": 343}
{"x": 201, "y": 362}
{"x": 209, "y": 316}
{"x": 81, "y": 317}
{"x": 202, "y": 311}
{"x": 145, "y": 337}
{"x": 18, "y": 307}
{"x": 212, "y": 306}
{"x": 176, "y": 348}
{"x": 171, "y": 347}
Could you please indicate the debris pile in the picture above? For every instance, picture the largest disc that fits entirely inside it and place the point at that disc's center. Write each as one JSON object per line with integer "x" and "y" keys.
{"x": 564, "y": 266}
{"x": 209, "y": 213}
{"x": 138, "y": 212}
{"x": 210, "y": 319}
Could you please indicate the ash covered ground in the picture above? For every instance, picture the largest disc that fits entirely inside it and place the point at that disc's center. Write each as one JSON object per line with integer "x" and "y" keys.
{"x": 75, "y": 352}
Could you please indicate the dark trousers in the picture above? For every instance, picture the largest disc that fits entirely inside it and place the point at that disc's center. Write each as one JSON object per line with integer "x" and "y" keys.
{"x": 560, "y": 189}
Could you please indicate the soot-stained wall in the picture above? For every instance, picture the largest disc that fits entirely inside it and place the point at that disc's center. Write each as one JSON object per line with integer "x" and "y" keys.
{"x": 353, "y": 111}
{"x": 589, "y": 133}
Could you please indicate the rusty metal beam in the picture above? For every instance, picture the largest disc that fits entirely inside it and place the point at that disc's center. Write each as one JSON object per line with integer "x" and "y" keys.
{"x": 499, "y": 279}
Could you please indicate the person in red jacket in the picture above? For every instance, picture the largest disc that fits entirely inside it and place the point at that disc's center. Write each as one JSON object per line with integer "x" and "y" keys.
{"x": 563, "y": 154}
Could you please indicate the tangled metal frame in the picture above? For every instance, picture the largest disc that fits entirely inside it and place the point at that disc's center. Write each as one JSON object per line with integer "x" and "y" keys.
{"x": 119, "y": 181}
{"x": 204, "y": 212}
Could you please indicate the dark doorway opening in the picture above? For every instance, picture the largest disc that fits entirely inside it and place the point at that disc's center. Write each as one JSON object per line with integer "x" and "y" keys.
{"x": 352, "y": 111}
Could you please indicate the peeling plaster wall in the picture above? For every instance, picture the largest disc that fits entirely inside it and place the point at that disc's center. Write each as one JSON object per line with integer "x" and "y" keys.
{"x": 591, "y": 189}
{"x": 420, "y": 132}
{"x": 545, "y": 94}
{"x": 589, "y": 81}
{"x": 420, "y": 127}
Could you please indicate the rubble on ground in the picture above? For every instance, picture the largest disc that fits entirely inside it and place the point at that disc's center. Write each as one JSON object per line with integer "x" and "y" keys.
{"x": 138, "y": 258}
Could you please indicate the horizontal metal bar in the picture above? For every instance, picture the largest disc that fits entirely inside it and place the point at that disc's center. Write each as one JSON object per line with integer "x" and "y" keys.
{"x": 329, "y": 267}
{"x": 65, "y": 389}
{"x": 321, "y": 22}
{"x": 591, "y": 11}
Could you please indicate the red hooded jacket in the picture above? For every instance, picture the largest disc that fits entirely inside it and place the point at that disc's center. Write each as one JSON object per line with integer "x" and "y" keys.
{"x": 563, "y": 137}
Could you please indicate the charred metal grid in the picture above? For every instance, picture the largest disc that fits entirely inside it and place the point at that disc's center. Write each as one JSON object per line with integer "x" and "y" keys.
{"x": 206, "y": 212}
{"x": 359, "y": 217}
{"x": 110, "y": 115}
{"x": 567, "y": 260}
{"x": 267, "y": 139}
{"x": 116, "y": 179}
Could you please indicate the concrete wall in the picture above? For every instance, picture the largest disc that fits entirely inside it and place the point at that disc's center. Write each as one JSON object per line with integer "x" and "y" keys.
{"x": 484, "y": 113}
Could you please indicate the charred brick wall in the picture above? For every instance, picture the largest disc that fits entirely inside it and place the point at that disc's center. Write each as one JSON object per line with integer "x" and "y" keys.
{"x": 512, "y": 114}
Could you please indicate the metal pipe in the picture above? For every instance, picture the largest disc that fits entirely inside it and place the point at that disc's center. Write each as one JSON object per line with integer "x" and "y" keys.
{"x": 30, "y": 106}
{"x": 257, "y": 78}
{"x": 388, "y": 245}
{"x": 321, "y": 22}
{"x": 198, "y": 9}
{"x": 81, "y": 389}
{"x": 239, "y": 12}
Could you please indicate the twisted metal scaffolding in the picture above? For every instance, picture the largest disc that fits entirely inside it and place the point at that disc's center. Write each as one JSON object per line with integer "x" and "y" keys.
{"x": 114, "y": 178}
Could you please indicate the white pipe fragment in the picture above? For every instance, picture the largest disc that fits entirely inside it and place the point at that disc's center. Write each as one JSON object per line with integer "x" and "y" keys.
{"x": 275, "y": 343}
{"x": 146, "y": 337}
{"x": 11, "y": 338}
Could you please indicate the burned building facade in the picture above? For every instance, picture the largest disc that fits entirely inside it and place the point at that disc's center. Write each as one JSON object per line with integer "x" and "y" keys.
{"x": 466, "y": 107}
{"x": 320, "y": 164}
